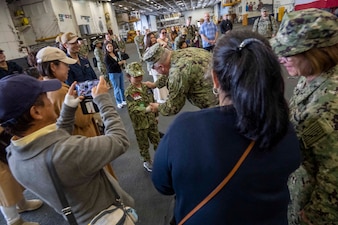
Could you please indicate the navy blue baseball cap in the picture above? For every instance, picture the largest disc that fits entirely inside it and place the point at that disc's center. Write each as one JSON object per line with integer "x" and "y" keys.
{"x": 18, "y": 93}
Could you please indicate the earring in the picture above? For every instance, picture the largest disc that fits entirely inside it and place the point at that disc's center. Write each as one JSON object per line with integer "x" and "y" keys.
{"x": 215, "y": 91}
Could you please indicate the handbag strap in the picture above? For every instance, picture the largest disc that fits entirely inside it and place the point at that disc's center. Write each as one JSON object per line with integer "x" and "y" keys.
{"x": 220, "y": 186}
{"x": 117, "y": 196}
{"x": 66, "y": 209}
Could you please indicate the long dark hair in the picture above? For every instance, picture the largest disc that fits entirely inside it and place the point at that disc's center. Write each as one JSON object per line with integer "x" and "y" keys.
{"x": 148, "y": 40}
{"x": 249, "y": 71}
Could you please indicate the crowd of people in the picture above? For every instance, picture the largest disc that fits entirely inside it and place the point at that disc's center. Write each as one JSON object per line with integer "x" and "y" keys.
{"x": 273, "y": 161}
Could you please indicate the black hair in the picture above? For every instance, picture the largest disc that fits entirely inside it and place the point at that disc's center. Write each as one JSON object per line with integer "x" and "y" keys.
{"x": 148, "y": 40}
{"x": 250, "y": 73}
{"x": 45, "y": 70}
{"x": 33, "y": 72}
{"x": 180, "y": 43}
{"x": 31, "y": 58}
{"x": 25, "y": 121}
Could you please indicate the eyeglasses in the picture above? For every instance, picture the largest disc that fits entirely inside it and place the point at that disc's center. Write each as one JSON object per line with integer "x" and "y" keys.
{"x": 163, "y": 32}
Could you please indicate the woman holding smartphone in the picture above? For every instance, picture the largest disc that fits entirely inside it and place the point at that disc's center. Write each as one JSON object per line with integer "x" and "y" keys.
{"x": 53, "y": 63}
{"x": 114, "y": 64}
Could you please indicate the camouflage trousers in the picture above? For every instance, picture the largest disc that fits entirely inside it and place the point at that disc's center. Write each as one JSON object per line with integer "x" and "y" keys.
{"x": 300, "y": 187}
{"x": 103, "y": 72}
{"x": 143, "y": 137}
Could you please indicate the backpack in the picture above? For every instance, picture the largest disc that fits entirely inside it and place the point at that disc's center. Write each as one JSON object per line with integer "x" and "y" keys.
{"x": 270, "y": 22}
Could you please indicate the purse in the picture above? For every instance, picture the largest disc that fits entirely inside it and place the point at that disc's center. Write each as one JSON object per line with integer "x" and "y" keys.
{"x": 124, "y": 56}
{"x": 115, "y": 214}
{"x": 220, "y": 186}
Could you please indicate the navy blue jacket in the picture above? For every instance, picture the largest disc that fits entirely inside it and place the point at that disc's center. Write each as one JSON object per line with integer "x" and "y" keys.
{"x": 81, "y": 72}
{"x": 12, "y": 69}
{"x": 199, "y": 150}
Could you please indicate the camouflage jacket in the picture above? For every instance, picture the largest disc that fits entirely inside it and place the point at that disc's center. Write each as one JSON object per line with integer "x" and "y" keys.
{"x": 84, "y": 50}
{"x": 139, "y": 41}
{"x": 178, "y": 39}
{"x": 121, "y": 44}
{"x": 137, "y": 101}
{"x": 314, "y": 110}
{"x": 186, "y": 81}
{"x": 99, "y": 56}
{"x": 266, "y": 27}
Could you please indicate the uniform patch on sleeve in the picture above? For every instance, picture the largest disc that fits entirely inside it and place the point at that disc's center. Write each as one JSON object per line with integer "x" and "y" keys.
{"x": 315, "y": 132}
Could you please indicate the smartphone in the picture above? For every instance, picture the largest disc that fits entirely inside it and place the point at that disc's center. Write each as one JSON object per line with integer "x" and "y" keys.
{"x": 85, "y": 89}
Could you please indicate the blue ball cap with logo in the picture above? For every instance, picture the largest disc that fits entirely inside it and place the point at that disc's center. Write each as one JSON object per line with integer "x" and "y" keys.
{"x": 18, "y": 93}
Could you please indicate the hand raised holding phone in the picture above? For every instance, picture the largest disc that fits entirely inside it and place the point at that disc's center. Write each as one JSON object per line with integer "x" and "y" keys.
{"x": 71, "y": 98}
{"x": 101, "y": 88}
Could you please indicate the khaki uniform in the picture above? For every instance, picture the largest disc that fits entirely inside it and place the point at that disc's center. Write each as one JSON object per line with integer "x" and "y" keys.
{"x": 10, "y": 189}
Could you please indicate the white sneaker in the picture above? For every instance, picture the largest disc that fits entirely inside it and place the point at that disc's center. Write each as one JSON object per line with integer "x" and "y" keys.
{"x": 120, "y": 106}
{"x": 148, "y": 166}
{"x": 124, "y": 103}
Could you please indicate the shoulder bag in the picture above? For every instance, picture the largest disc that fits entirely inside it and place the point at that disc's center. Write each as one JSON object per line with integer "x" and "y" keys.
{"x": 220, "y": 186}
{"x": 115, "y": 214}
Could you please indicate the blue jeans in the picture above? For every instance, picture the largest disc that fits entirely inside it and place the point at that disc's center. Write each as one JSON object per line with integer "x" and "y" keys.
{"x": 118, "y": 83}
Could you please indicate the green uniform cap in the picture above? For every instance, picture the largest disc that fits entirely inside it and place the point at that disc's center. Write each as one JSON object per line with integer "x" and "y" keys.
{"x": 153, "y": 54}
{"x": 96, "y": 42}
{"x": 305, "y": 29}
{"x": 134, "y": 69}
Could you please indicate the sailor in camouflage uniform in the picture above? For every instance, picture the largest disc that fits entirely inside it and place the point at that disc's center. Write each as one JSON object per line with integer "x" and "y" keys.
{"x": 185, "y": 69}
{"x": 307, "y": 44}
{"x": 181, "y": 37}
{"x": 138, "y": 97}
{"x": 265, "y": 25}
{"x": 139, "y": 42}
{"x": 99, "y": 56}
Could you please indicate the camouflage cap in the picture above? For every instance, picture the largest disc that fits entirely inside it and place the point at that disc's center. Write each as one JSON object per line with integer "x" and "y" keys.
{"x": 96, "y": 42}
{"x": 184, "y": 31}
{"x": 134, "y": 69}
{"x": 305, "y": 29}
{"x": 153, "y": 54}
